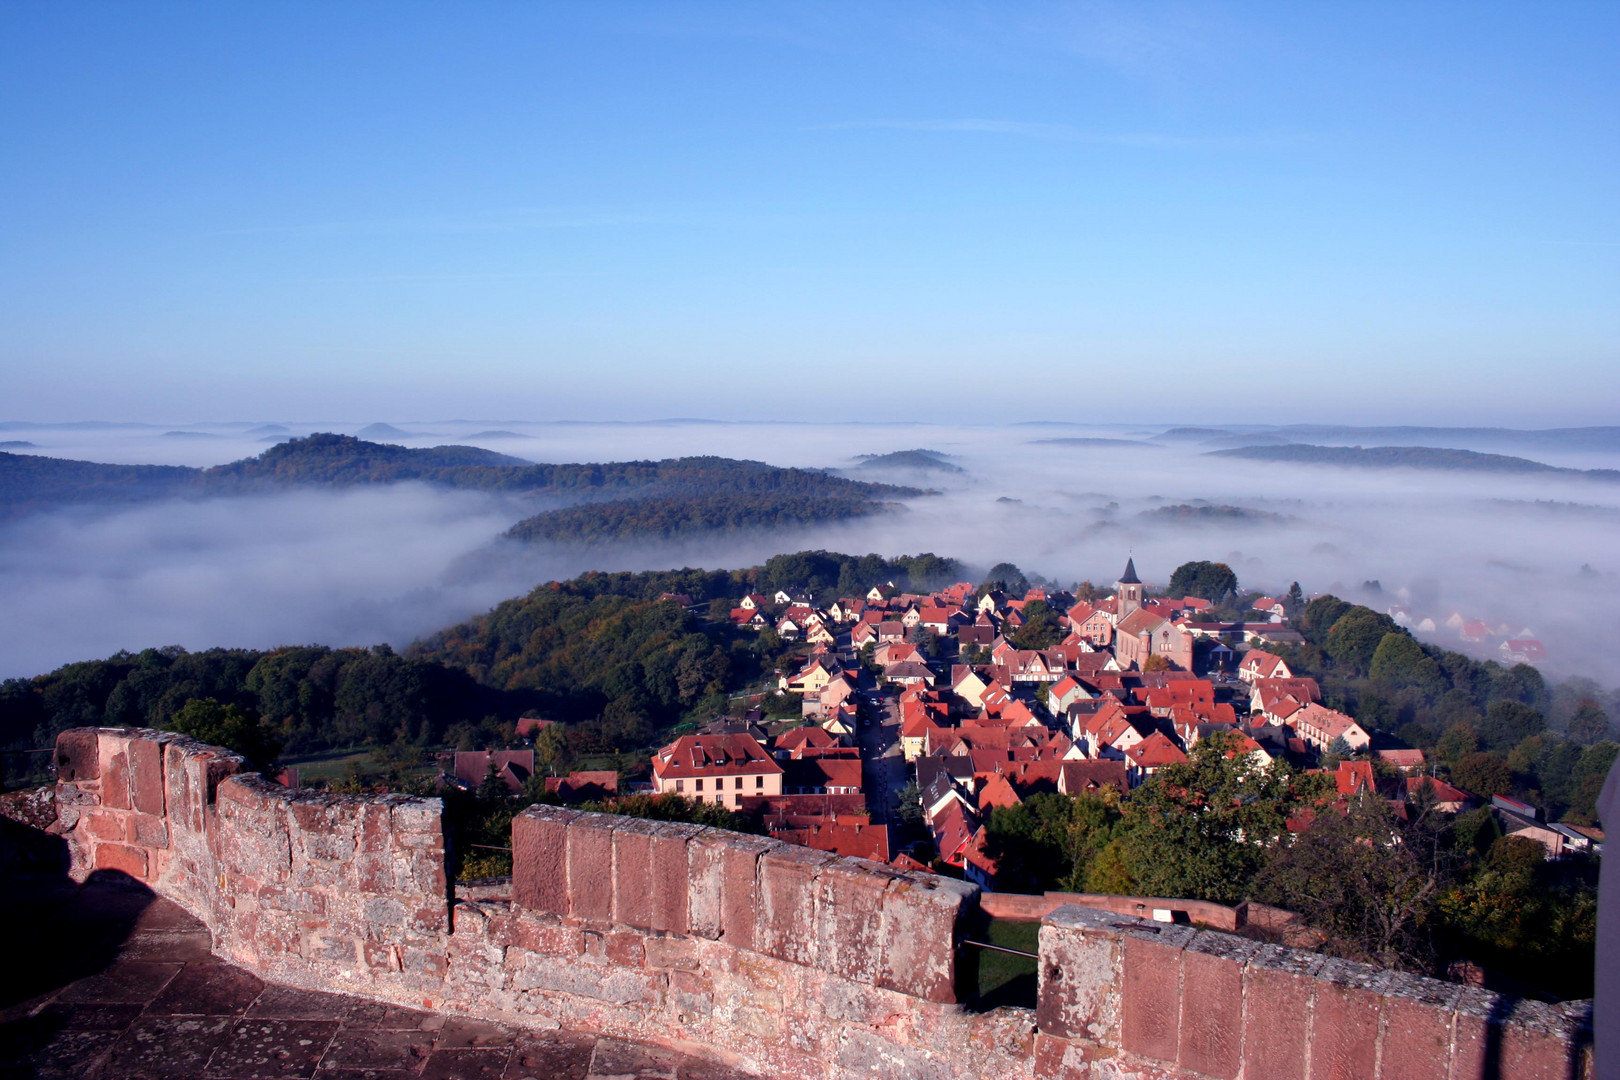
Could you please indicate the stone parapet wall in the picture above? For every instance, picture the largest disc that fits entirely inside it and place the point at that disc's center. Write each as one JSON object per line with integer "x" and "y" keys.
{"x": 777, "y": 959}
{"x": 1121, "y": 997}
{"x": 325, "y": 891}
{"x": 861, "y": 921}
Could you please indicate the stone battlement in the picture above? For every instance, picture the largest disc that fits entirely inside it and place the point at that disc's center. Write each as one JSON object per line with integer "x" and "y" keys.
{"x": 773, "y": 958}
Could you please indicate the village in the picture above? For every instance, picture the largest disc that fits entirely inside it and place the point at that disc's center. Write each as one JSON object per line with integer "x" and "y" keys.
{"x": 920, "y": 705}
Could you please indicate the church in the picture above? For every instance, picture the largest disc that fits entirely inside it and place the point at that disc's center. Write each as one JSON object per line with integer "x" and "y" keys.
{"x": 1140, "y": 632}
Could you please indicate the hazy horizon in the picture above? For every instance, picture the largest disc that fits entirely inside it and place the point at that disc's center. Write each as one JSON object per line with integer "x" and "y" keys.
{"x": 392, "y": 563}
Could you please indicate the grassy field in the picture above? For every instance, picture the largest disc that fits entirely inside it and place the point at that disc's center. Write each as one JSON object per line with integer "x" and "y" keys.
{"x": 1005, "y": 979}
{"x": 336, "y": 766}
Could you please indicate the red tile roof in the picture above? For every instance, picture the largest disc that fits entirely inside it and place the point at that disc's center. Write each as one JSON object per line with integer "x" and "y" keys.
{"x": 713, "y": 755}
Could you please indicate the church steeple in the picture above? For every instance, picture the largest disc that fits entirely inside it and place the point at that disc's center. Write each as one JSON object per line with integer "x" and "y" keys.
{"x": 1127, "y": 591}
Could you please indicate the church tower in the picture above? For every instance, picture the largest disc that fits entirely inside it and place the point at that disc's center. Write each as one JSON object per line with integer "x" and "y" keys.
{"x": 1128, "y": 591}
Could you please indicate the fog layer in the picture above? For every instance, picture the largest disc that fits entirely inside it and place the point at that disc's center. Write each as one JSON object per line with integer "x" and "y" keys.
{"x": 389, "y": 564}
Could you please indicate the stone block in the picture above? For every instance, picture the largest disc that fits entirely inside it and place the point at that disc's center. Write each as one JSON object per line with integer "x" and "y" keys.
{"x": 691, "y": 997}
{"x": 78, "y": 755}
{"x": 374, "y": 863}
{"x": 302, "y": 901}
{"x": 632, "y": 872}
{"x": 146, "y": 775}
{"x": 428, "y": 874}
{"x": 594, "y": 981}
{"x": 849, "y": 923}
{"x": 107, "y": 825}
{"x": 625, "y": 949}
{"x": 1537, "y": 1042}
{"x": 540, "y": 859}
{"x": 672, "y": 953}
{"x": 725, "y": 886}
{"x": 1279, "y": 985}
{"x": 787, "y": 903}
{"x": 381, "y": 956}
{"x": 324, "y": 943}
{"x": 1474, "y": 1042}
{"x": 672, "y": 875}
{"x": 112, "y": 748}
{"x": 540, "y": 935}
{"x": 1058, "y": 1059}
{"x": 1212, "y": 1003}
{"x": 419, "y": 816}
{"x": 148, "y": 830}
{"x": 921, "y": 914}
{"x": 383, "y": 914}
{"x": 1418, "y": 1016}
{"x": 1150, "y": 1009}
{"x": 1078, "y": 976}
{"x": 590, "y": 868}
{"x": 123, "y": 858}
{"x": 1344, "y": 1021}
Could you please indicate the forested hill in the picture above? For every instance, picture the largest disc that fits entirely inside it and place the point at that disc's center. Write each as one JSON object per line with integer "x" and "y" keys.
{"x": 29, "y": 482}
{"x": 664, "y": 519}
{"x": 602, "y": 653}
{"x": 325, "y": 458}
{"x": 1408, "y": 457}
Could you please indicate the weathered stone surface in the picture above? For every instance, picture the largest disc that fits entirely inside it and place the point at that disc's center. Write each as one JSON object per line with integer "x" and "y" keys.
{"x": 849, "y": 918}
{"x": 540, "y": 859}
{"x": 1278, "y": 982}
{"x": 632, "y": 872}
{"x": 1150, "y": 1012}
{"x": 590, "y": 867}
{"x": 1078, "y": 976}
{"x": 1212, "y": 1004}
{"x": 123, "y": 858}
{"x": 921, "y": 916}
{"x": 112, "y": 748}
{"x": 1344, "y": 1022}
{"x": 146, "y": 775}
{"x": 672, "y": 875}
{"x": 78, "y": 755}
{"x": 787, "y": 903}
{"x": 797, "y": 962}
{"x": 1417, "y": 1020}
{"x": 738, "y": 856}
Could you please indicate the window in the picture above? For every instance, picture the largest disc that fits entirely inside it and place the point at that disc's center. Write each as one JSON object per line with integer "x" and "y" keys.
{"x": 759, "y": 781}
{"x": 698, "y": 785}
{"x": 738, "y": 784}
{"x": 680, "y": 785}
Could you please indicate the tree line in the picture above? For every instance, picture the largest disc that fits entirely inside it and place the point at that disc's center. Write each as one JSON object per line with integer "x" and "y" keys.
{"x": 1415, "y": 891}
{"x": 662, "y": 519}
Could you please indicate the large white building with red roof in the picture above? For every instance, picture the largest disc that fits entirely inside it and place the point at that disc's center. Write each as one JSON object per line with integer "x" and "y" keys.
{"x": 720, "y": 769}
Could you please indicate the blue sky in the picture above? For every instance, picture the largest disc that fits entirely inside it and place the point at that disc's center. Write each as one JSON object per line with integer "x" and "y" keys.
{"x": 1229, "y": 212}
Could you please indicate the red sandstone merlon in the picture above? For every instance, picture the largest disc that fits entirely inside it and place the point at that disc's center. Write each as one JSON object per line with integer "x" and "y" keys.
{"x": 540, "y": 858}
{"x": 1158, "y": 1000}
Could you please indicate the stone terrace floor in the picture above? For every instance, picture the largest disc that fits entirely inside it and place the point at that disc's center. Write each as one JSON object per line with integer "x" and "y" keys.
{"x": 106, "y": 982}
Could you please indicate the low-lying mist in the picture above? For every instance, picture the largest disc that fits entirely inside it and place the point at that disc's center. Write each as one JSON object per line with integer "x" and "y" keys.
{"x": 365, "y": 565}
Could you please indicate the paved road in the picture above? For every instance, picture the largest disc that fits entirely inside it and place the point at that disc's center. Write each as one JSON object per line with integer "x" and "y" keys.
{"x": 884, "y": 768}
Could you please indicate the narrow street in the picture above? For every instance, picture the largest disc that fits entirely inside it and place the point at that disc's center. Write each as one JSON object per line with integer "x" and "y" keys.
{"x": 883, "y": 771}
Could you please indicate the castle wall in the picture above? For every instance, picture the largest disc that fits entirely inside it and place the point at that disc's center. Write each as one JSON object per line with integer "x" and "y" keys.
{"x": 777, "y": 959}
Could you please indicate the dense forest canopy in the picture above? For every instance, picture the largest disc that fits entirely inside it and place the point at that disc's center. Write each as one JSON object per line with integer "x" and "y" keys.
{"x": 1499, "y": 730}
{"x": 602, "y": 653}
{"x": 662, "y": 519}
